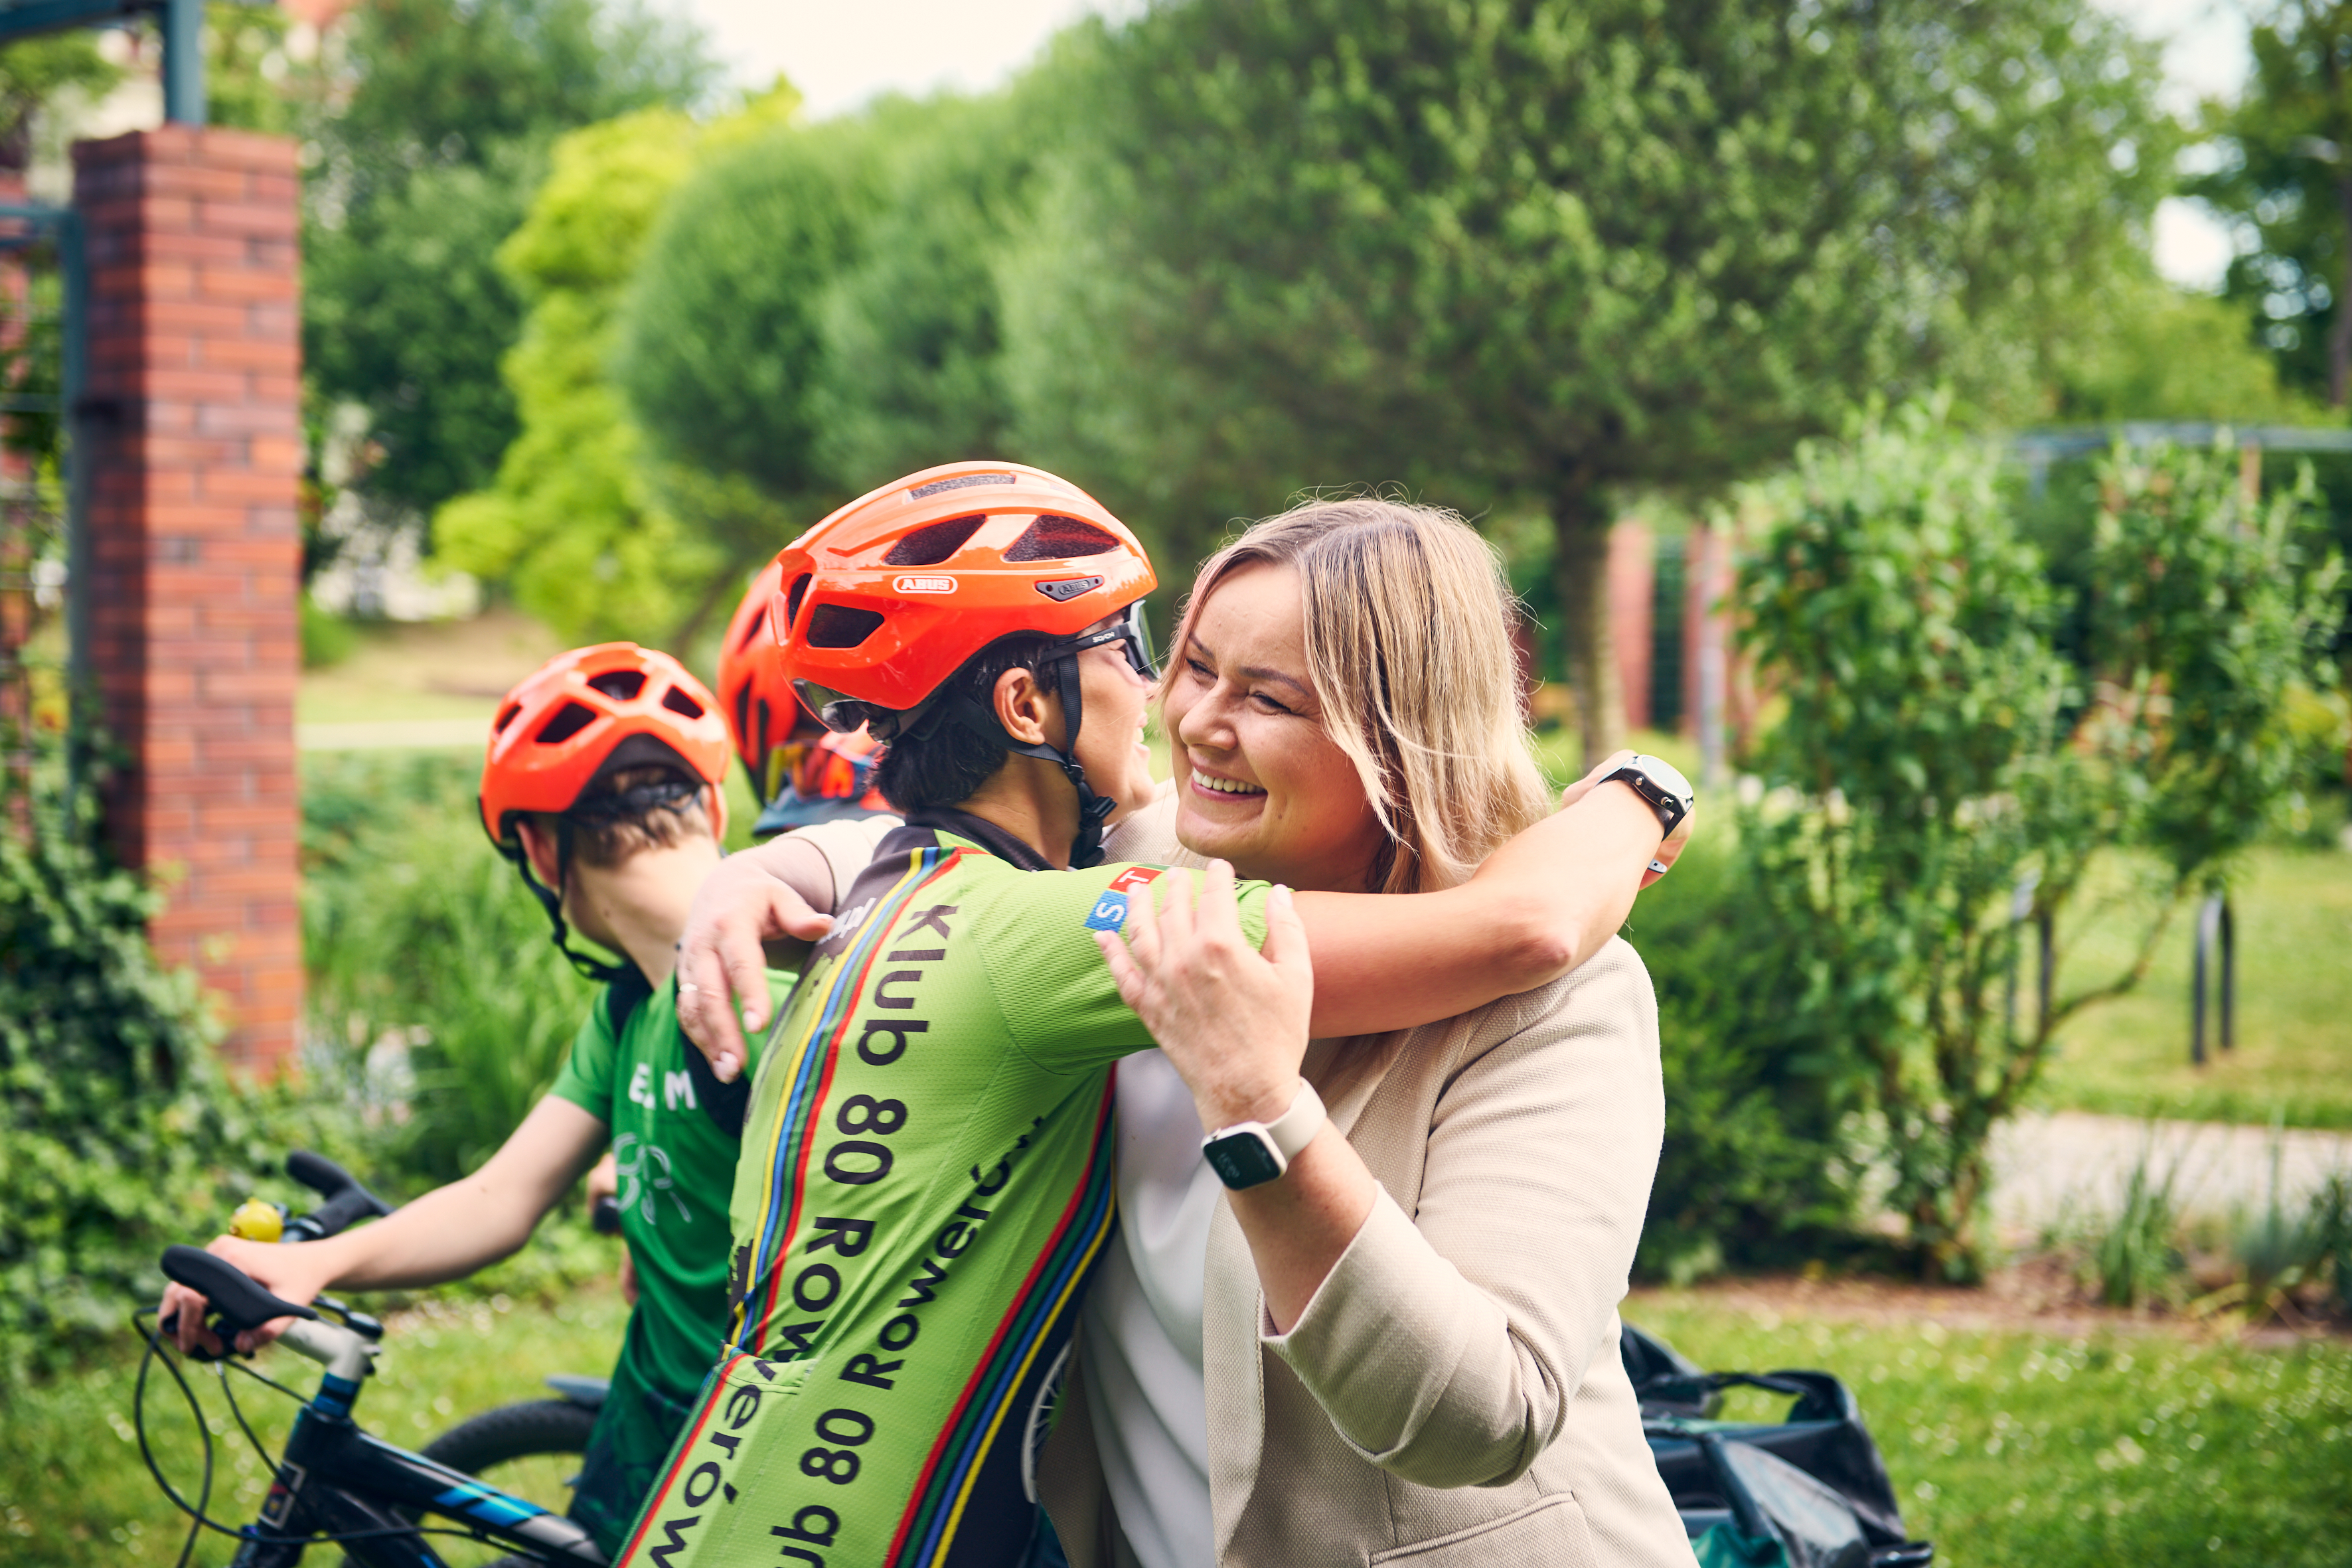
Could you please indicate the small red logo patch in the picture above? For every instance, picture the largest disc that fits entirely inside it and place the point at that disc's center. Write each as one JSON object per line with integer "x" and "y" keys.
{"x": 1134, "y": 877}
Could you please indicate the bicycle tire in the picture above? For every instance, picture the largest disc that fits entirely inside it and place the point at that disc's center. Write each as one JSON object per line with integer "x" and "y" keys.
{"x": 528, "y": 1430}
{"x": 537, "y": 1428}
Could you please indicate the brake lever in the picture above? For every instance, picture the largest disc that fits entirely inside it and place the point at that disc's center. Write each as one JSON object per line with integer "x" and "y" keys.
{"x": 168, "y": 1331}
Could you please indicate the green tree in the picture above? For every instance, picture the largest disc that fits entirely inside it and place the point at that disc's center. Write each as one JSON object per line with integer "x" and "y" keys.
{"x": 430, "y": 133}
{"x": 32, "y": 72}
{"x": 819, "y": 310}
{"x": 1949, "y": 780}
{"x": 2164, "y": 355}
{"x": 593, "y": 536}
{"x": 2289, "y": 178}
{"x": 1551, "y": 252}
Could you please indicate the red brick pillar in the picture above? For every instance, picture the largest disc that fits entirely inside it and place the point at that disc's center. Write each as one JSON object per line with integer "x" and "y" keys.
{"x": 1632, "y": 613}
{"x": 1706, "y": 644}
{"x": 194, "y": 433}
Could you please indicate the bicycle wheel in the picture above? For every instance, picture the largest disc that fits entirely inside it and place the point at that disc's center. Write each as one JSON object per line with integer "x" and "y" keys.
{"x": 530, "y": 1451}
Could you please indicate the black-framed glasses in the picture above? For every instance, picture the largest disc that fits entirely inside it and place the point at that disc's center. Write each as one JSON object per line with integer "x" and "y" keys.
{"x": 1133, "y": 632}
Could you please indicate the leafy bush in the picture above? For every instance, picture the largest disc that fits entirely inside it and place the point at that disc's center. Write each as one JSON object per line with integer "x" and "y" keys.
{"x": 119, "y": 1131}
{"x": 1944, "y": 783}
{"x": 439, "y": 1006}
{"x": 328, "y": 640}
{"x": 1753, "y": 1170}
{"x": 2135, "y": 1254}
{"x": 2279, "y": 1245}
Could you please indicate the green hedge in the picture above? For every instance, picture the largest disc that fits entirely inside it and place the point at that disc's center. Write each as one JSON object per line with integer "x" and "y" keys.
{"x": 119, "y": 1131}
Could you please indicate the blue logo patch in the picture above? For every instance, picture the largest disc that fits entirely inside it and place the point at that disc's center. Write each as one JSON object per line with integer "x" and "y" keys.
{"x": 1109, "y": 913}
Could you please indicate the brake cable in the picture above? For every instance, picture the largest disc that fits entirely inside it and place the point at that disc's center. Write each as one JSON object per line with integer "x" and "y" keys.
{"x": 198, "y": 1520}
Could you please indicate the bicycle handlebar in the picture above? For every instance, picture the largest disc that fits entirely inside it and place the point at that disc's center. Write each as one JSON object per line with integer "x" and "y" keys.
{"x": 347, "y": 1200}
{"x": 236, "y": 1300}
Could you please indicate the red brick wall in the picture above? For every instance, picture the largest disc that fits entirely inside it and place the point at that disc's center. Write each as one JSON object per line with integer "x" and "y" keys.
{"x": 195, "y": 364}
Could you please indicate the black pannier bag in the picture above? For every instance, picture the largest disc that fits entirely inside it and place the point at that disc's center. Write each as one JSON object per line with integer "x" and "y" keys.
{"x": 1807, "y": 1491}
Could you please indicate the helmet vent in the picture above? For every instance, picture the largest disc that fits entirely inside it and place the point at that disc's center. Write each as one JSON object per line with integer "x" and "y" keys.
{"x": 752, "y": 630}
{"x": 620, "y": 685}
{"x": 677, "y": 702}
{"x": 792, "y": 603}
{"x": 838, "y": 625}
{"x": 953, "y": 482}
{"x": 934, "y": 543}
{"x": 1052, "y": 538}
{"x": 506, "y": 718}
{"x": 569, "y": 721}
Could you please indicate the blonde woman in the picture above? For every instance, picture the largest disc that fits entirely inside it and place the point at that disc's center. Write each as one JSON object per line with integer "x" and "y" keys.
{"x": 1407, "y": 1335}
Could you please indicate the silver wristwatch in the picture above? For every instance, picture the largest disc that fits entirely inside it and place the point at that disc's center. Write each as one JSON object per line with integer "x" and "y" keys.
{"x": 1662, "y": 785}
{"x": 1250, "y": 1153}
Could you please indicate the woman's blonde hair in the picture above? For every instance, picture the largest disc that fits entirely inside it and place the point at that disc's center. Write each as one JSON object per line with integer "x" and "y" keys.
{"x": 1409, "y": 651}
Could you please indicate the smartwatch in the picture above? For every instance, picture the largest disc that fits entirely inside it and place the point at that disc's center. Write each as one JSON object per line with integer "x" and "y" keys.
{"x": 1252, "y": 1154}
{"x": 1662, "y": 785}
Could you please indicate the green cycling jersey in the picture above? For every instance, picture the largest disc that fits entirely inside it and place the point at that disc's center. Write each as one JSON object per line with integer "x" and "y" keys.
{"x": 925, "y": 1183}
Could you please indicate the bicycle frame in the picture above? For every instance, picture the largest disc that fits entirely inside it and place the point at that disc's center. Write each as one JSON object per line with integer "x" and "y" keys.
{"x": 336, "y": 1480}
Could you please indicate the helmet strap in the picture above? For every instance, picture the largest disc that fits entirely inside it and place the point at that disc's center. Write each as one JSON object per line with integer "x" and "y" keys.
{"x": 552, "y": 901}
{"x": 1085, "y": 849}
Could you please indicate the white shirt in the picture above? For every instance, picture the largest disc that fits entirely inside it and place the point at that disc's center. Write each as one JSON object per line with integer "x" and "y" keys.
{"x": 1141, "y": 1338}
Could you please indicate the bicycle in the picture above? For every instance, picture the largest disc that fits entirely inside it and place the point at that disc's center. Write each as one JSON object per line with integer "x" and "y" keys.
{"x": 336, "y": 1484}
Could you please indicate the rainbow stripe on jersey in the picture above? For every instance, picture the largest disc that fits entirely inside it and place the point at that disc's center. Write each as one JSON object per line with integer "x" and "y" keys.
{"x": 925, "y": 1188}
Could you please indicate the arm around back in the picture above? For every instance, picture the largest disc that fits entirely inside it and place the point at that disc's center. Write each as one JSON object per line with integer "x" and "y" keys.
{"x": 1447, "y": 1346}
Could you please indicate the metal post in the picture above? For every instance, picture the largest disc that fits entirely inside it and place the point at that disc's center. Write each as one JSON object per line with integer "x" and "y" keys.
{"x": 2045, "y": 928}
{"x": 2020, "y": 905}
{"x": 2209, "y": 922}
{"x": 183, "y": 61}
{"x": 2229, "y": 972}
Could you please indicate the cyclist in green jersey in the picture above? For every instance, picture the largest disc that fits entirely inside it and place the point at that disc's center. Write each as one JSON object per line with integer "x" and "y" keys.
{"x": 927, "y": 1175}
{"x": 602, "y": 785}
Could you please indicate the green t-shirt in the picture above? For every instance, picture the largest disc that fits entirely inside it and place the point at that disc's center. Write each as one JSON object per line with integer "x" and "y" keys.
{"x": 676, "y": 1168}
{"x": 926, "y": 1181}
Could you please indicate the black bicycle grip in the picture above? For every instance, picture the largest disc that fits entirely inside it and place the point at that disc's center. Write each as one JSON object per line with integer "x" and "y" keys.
{"x": 347, "y": 1200}
{"x": 236, "y": 1298}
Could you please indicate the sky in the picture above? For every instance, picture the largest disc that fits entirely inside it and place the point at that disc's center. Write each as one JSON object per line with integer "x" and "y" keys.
{"x": 841, "y": 55}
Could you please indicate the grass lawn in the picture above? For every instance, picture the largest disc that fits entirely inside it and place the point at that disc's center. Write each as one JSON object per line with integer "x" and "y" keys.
{"x": 2019, "y": 1446}
{"x": 2293, "y": 1056}
{"x": 430, "y": 669}
{"x": 2036, "y": 1450}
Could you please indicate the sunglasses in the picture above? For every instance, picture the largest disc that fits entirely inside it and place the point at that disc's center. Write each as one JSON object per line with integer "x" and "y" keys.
{"x": 1131, "y": 630}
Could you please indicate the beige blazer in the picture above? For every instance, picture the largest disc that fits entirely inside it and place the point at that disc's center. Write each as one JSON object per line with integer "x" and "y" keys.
{"x": 1453, "y": 1394}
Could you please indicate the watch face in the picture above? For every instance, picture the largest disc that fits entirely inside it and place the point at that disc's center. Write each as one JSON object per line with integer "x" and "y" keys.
{"x": 1667, "y": 775}
{"x": 1243, "y": 1159}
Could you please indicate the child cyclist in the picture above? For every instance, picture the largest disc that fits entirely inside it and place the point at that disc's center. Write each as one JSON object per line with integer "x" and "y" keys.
{"x": 602, "y": 785}
{"x": 800, "y": 771}
{"x": 927, "y": 1177}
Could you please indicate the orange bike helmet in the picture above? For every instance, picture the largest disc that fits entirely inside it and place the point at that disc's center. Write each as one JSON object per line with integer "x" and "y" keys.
{"x": 584, "y": 713}
{"x": 800, "y": 770}
{"x": 879, "y": 604}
